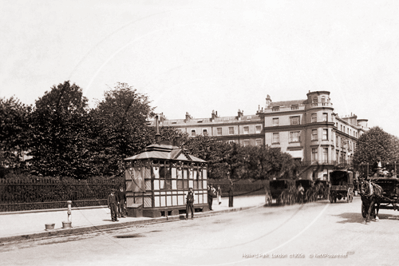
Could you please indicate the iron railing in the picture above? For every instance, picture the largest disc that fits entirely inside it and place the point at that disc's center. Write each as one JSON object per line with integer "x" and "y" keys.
{"x": 18, "y": 195}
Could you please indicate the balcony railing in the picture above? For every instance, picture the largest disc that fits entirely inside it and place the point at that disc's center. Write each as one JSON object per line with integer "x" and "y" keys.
{"x": 340, "y": 163}
{"x": 320, "y": 104}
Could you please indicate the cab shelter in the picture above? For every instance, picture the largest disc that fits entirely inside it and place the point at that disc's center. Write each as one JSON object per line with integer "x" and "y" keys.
{"x": 158, "y": 179}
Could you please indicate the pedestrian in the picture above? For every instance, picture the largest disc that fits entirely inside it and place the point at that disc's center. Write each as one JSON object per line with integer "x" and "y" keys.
{"x": 121, "y": 195}
{"x": 112, "y": 202}
{"x": 231, "y": 194}
{"x": 210, "y": 197}
{"x": 301, "y": 192}
{"x": 219, "y": 194}
{"x": 190, "y": 198}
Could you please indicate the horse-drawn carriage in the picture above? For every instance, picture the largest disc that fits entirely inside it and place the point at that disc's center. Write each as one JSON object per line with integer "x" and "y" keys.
{"x": 341, "y": 185}
{"x": 277, "y": 187}
{"x": 385, "y": 190}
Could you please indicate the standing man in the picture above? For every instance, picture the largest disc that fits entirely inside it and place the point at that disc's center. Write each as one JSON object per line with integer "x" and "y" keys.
{"x": 210, "y": 197}
{"x": 121, "y": 202}
{"x": 112, "y": 202}
{"x": 190, "y": 196}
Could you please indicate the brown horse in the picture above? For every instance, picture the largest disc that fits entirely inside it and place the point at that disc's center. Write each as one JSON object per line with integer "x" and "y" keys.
{"x": 371, "y": 195}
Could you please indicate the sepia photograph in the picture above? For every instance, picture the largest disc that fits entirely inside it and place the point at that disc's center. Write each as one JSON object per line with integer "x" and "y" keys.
{"x": 227, "y": 132}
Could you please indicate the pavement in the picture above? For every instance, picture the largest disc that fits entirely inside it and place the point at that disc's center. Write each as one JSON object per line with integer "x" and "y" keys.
{"x": 29, "y": 225}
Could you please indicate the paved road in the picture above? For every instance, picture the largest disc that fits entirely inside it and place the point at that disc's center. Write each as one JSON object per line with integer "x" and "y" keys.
{"x": 275, "y": 233}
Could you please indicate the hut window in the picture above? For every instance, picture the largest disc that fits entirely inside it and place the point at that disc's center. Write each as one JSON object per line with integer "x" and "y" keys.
{"x": 165, "y": 178}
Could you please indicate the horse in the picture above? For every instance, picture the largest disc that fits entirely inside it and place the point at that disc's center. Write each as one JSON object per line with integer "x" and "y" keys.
{"x": 371, "y": 195}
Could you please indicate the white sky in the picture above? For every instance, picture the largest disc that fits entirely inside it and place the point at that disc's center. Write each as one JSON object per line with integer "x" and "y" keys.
{"x": 199, "y": 56}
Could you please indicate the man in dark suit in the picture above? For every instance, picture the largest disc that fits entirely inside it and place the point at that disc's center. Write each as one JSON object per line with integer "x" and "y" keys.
{"x": 121, "y": 196}
{"x": 112, "y": 202}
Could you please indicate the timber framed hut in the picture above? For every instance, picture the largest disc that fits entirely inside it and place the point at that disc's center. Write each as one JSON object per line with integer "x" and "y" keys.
{"x": 158, "y": 178}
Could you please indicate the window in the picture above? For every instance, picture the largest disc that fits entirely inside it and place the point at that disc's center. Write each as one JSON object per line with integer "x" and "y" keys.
{"x": 337, "y": 156}
{"x": 325, "y": 134}
{"x": 231, "y": 130}
{"x": 205, "y": 132}
{"x": 314, "y": 134}
{"x": 294, "y": 136}
{"x": 336, "y": 141}
{"x": 246, "y": 130}
{"x": 258, "y": 129}
{"x": 258, "y": 142}
{"x": 165, "y": 177}
{"x": 193, "y": 132}
{"x": 246, "y": 142}
{"x": 314, "y": 154}
{"x": 275, "y": 121}
{"x": 323, "y": 100}
{"x": 219, "y": 131}
{"x": 325, "y": 117}
{"x": 276, "y": 138}
{"x": 341, "y": 127}
{"x": 275, "y": 108}
{"x": 294, "y": 120}
{"x": 325, "y": 155}
{"x": 315, "y": 101}
{"x": 313, "y": 118}
{"x": 294, "y": 107}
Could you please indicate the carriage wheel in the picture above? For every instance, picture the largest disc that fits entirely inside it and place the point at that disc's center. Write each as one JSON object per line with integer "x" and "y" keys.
{"x": 363, "y": 211}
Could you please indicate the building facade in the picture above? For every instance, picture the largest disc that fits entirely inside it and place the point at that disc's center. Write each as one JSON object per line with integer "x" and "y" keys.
{"x": 312, "y": 133}
{"x": 307, "y": 129}
{"x": 241, "y": 129}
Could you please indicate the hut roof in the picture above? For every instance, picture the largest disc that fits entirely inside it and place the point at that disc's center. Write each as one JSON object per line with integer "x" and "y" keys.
{"x": 165, "y": 152}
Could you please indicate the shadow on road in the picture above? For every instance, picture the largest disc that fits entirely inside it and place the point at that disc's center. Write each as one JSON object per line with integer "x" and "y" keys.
{"x": 352, "y": 217}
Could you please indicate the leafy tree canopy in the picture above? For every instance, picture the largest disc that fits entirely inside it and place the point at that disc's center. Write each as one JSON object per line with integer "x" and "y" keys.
{"x": 374, "y": 145}
{"x": 14, "y": 117}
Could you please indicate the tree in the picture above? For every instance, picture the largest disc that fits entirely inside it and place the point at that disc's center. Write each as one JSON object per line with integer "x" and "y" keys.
{"x": 120, "y": 127}
{"x": 212, "y": 150}
{"x": 252, "y": 162}
{"x": 375, "y": 144}
{"x": 14, "y": 125}
{"x": 58, "y": 134}
{"x": 265, "y": 162}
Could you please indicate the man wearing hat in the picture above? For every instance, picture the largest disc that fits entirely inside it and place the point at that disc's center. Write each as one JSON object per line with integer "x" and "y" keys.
{"x": 112, "y": 205}
{"x": 190, "y": 196}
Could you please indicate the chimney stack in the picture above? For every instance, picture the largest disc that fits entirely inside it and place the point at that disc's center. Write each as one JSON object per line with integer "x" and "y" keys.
{"x": 268, "y": 101}
{"x": 188, "y": 117}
